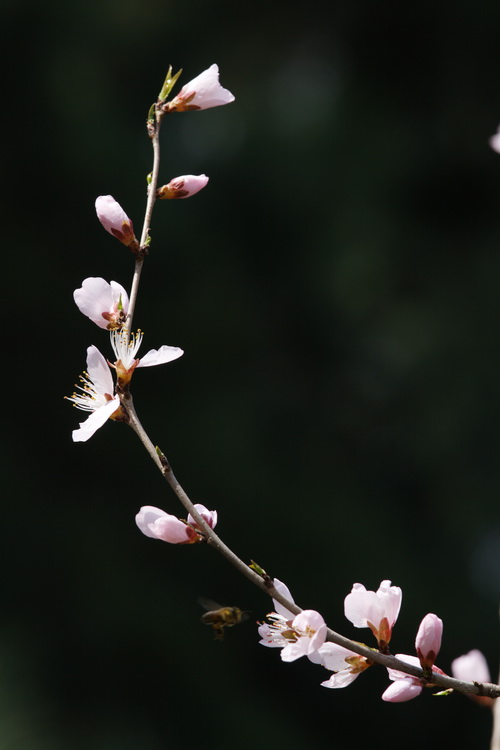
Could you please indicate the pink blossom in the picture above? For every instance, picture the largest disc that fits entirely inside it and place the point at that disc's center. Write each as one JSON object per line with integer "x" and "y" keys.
{"x": 495, "y": 141}
{"x": 346, "y": 664}
{"x": 405, "y": 686}
{"x": 202, "y": 92}
{"x": 115, "y": 221}
{"x": 473, "y": 667}
{"x": 310, "y": 630}
{"x": 209, "y": 516}
{"x": 401, "y": 691}
{"x": 96, "y": 396}
{"x": 375, "y": 610}
{"x": 282, "y": 589}
{"x": 105, "y": 304}
{"x": 126, "y": 347}
{"x": 182, "y": 187}
{"x": 428, "y": 640}
{"x": 277, "y": 631}
{"x": 157, "y": 524}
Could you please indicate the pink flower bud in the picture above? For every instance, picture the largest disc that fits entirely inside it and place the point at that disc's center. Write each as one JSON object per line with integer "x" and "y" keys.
{"x": 428, "y": 640}
{"x": 157, "y": 524}
{"x": 209, "y": 516}
{"x": 401, "y": 691}
{"x": 182, "y": 187}
{"x": 202, "y": 92}
{"x": 115, "y": 221}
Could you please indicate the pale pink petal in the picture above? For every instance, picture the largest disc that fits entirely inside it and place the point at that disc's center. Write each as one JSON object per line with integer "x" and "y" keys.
{"x": 96, "y": 297}
{"x": 361, "y": 606}
{"x": 401, "y": 691}
{"x": 396, "y": 674}
{"x": 95, "y": 420}
{"x": 160, "y": 356}
{"x": 268, "y": 637}
{"x": 341, "y": 679}
{"x": 331, "y": 656}
{"x": 206, "y": 89}
{"x": 157, "y": 524}
{"x": 99, "y": 371}
{"x": 471, "y": 667}
{"x": 293, "y": 651}
{"x": 147, "y": 516}
{"x": 391, "y": 597}
{"x": 313, "y": 627}
{"x": 209, "y": 516}
{"x": 284, "y": 591}
{"x": 170, "y": 529}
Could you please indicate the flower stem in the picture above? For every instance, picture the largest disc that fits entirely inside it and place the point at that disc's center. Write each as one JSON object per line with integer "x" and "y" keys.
{"x": 154, "y": 134}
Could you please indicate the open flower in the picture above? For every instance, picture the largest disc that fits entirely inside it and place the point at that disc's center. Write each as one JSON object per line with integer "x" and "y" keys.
{"x": 277, "y": 631}
{"x": 428, "y": 641}
{"x": 106, "y": 304}
{"x": 309, "y": 630}
{"x": 182, "y": 187}
{"x": 375, "y": 610}
{"x": 202, "y": 92}
{"x": 345, "y": 664}
{"x": 115, "y": 221}
{"x": 125, "y": 348}
{"x": 96, "y": 396}
{"x": 157, "y": 524}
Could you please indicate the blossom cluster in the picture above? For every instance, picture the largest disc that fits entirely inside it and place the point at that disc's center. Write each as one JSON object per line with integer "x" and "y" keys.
{"x": 306, "y": 635}
{"x": 102, "y": 394}
{"x": 107, "y": 303}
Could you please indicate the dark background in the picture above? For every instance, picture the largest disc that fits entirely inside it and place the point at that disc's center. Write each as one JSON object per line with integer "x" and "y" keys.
{"x": 335, "y": 289}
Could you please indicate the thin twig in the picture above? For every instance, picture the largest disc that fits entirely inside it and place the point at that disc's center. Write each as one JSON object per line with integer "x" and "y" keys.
{"x": 154, "y": 133}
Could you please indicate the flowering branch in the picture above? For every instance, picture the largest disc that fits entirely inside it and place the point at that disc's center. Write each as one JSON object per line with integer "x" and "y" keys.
{"x": 266, "y": 583}
{"x": 296, "y": 631}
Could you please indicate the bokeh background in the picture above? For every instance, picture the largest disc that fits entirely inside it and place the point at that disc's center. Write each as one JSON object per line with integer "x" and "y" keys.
{"x": 335, "y": 289}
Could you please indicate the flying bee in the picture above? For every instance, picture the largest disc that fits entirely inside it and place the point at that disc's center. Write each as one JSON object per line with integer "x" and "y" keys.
{"x": 221, "y": 617}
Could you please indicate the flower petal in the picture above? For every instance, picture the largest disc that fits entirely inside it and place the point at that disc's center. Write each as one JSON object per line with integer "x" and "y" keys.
{"x": 284, "y": 591}
{"x": 401, "y": 691}
{"x": 96, "y": 298}
{"x": 99, "y": 372}
{"x": 341, "y": 679}
{"x": 160, "y": 356}
{"x": 471, "y": 667}
{"x": 95, "y": 420}
{"x": 203, "y": 92}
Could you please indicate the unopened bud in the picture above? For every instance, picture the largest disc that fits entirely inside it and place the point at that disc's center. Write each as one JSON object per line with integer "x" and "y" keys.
{"x": 115, "y": 221}
{"x": 182, "y": 187}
